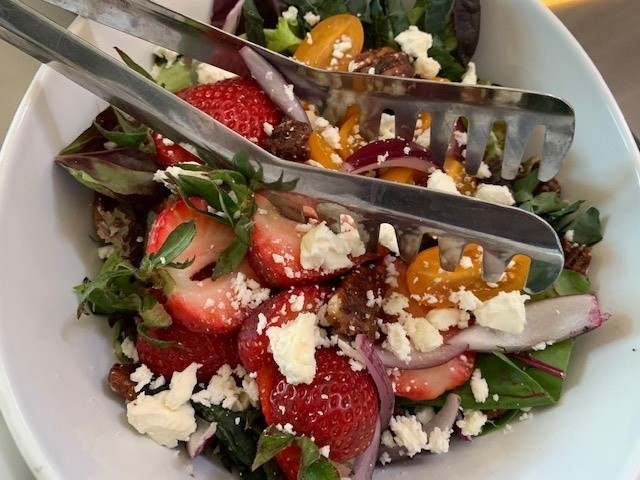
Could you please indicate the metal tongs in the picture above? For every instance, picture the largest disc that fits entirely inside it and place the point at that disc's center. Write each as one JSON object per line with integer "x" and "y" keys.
{"x": 413, "y": 211}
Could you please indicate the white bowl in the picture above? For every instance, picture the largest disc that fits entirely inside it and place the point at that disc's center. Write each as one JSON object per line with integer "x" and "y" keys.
{"x": 53, "y": 391}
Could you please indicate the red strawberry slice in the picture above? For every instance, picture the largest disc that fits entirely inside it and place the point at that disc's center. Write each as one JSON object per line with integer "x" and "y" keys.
{"x": 212, "y": 351}
{"x": 339, "y": 408}
{"x": 278, "y": 310}
{"x": 289, "y": 462}
{"x": 169, "y": 153}
{"x": 239, "y": 103}
{"x": 275, "y": 250}
{"x": 430, "y": 383}
{"x": 202, "y": 304}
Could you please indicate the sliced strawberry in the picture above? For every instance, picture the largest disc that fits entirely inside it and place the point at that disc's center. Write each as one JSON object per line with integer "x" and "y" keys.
{"x": 204, "y": 305}
{"x": 275, "y": 250}
{"x": 430, "y": 383}
{"x": 278, "y": 310}
{"x": 339, "y": 408}
{"x": 169, "y": 153}
{"x": 239, "y": 103}
{"x": 289, "y": 462}
{"x": 212, "y": 351}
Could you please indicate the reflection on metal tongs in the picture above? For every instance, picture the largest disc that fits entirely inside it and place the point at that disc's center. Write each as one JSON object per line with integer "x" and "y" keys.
{"x": 413, "y": 211}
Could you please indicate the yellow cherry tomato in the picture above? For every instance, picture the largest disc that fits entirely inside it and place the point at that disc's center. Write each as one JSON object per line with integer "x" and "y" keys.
{"x": 332, "y": 43}
{"x": 427, "y": 280}
{"x": 403, "y": 175}
{"x": 320, "y": 151}
{"x": 466, "y": 184}
{"x": 347, "y": 130}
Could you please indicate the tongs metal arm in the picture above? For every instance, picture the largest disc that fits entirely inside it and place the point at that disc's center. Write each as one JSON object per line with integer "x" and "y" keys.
{"x": 456, "y": 220}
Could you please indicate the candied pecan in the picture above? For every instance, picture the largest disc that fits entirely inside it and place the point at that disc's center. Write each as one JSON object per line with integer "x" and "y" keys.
{"x": 120, "y": 381}
{"x": 551, "y": 186}
{"x": 289, "y": 141}
{"x": 385, "y": 61}
{"x": 576, "y": 257}
{"x": 355, "y": 305}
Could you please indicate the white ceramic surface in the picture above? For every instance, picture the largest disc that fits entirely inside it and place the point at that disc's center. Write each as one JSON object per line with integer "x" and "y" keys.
{"x": 52, "y": 367}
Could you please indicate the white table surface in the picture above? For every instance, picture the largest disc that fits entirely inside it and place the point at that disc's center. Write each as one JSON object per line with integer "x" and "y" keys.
{"x": 607, "y": 29}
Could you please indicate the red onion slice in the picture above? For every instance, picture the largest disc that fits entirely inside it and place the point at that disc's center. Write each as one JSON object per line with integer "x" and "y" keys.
{"x": 201, "y": 437}
{"x": 275, "y": 86}
{"x": 419, "y": 360}
{"x": 233, "y": 18}
{"x": 389, "y": 148}
{"x": 415, "y": 163}
{"x": 551, "y": 320}
{"x": 377, "y": 371}
{"x": 365, "y": 463}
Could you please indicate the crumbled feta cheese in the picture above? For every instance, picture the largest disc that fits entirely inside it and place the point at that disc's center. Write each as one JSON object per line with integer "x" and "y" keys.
{"x": 387, "y": 126}
{"x": 504, "y": 312}
{"x": 293, "y": 346}
{"x": 142, "y": 376}
{"x": 268, "y": 128}
{"x": 427, "y": 67}
{"x": 181, "y": 386}
{"x": 423, "y": 335}
{"x": 568, "y": 236}
{"x": 166, "y": 417}
{"x": 128, "y": 348}
{"x": 408, "y": 433}
{"x": 290, "y": 14}
{"x": 479, "y": 386}
{"x": 472, "y": 422}
{"x": 210, "y": 74}
{"x": 483, "y": 171}
{"x": 414, "y": 42}
{"x": 397, "y": 341}
{"x": 499, "y": 194}
{"x": 439, "y": 440}
{"x": 470, "y": 77}
{"x": 149, "y": 414}
{"x": 169, "y": 55}
{"x": 322, "y": 249}
{"x": 223, "y": 389}
{"x": 444, "y": 318}
{"x": 387, "y": 238}
{"x": 465, "y": 300}
{"x": 311, "y": 18}
{"x": 441, "y": 182}
{"x": 247, "y": 292}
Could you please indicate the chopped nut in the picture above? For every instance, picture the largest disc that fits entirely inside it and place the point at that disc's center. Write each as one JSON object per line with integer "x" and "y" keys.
{"x": 120, "y": 381}
{"x": 289, "y": 141}
{"x": 576, "y": 257}
{"x": 384, "y": 61}
{"x": 355, "y": 305}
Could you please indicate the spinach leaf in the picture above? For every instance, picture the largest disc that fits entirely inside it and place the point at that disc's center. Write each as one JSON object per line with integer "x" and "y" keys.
{"x": 238, "y": 434}
{"x": 466, "y": 25}
{"x": 253, "y": 23}
{"x": 322, "y": 8}
{"x": 567, "y": 283}
{"x": 586, "y": 227}
{"x": 513, "y": 384}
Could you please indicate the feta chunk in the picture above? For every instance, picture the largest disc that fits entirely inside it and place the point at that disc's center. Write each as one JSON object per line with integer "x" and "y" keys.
{"x": 505, "y": 312}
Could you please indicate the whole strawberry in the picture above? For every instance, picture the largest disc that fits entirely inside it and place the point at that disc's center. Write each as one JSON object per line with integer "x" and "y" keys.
{"x": 238, "y": 103}
{"x": 338, "y": 409}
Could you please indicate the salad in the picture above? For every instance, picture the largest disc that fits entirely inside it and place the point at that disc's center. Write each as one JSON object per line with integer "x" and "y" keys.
{"x": 287, "y": 349}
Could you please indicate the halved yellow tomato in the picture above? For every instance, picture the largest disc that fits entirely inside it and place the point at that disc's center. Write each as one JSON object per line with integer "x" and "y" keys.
{"x": 466, "y": 184}
{"x": 320, "y": 151}
{"x": 428, "y": 281}
{"x": 332, "y": 43}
